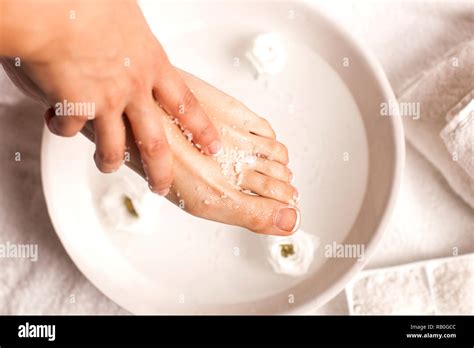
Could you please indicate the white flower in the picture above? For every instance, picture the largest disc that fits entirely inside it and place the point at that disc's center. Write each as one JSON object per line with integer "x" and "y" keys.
{"x": 128, "y": 206}
{"x": 268, "y": 54}
{"x": 292, "y": 255}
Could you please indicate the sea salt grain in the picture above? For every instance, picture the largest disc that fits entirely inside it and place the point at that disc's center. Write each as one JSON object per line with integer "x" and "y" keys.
{"x": 188, "y": 135}
{"x": 238, "y": 167}
{"x": 239, "y": 179}
{"x": 231, "y": 162}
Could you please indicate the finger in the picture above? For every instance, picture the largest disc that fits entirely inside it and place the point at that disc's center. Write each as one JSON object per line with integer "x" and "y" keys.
{"x": 269, "y": 187}
{"x": 109, "y": 136}
{"x": 179, "y": 101}
{"x": 151, "y": 141}
{"x": 65, "y": 126}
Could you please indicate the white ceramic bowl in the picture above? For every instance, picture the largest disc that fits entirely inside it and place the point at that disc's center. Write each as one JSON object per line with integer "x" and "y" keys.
{"x": 346, "y": 157}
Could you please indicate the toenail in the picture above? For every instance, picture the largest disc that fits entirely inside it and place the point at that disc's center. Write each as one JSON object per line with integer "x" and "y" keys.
{"x": 215, "y": 148}
{"x": 164, "y": 192}
{"x": 287, "y": 219}
{"x": 296, "y": 196}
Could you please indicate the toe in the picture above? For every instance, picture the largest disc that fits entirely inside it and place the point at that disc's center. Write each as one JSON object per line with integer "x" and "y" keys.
{"x": 273, "y": 169}
{"x": 269, "y": 187}
{"x": 270, "y": 149}
{"x": 260, "y": 126}
{"x": 267, "y": 216}
{"x": 222, "y": 106}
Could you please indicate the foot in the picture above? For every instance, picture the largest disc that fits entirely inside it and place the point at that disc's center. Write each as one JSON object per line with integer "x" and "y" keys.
{"x": 248, "y": 184}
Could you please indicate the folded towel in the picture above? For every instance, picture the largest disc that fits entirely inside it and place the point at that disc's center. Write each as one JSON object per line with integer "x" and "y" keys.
{"x": 437, "y": 286}
{"x": 458, "y": 135}
{"x": 443, "y": 132}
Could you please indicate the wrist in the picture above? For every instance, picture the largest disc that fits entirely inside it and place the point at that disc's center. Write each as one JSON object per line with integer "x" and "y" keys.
{"x": 29, "y": 28}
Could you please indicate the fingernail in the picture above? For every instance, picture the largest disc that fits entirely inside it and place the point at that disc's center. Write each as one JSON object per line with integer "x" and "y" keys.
{"x": 287, "y": 219}
{"x": 53, "y": 126}
{"x": 215, "y": 148}
{"x": 292, "y": 177}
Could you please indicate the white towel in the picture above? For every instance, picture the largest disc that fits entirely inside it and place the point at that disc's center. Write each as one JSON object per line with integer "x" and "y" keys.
{"x": 458, "y": 135}
{"x": 444, "y": 132}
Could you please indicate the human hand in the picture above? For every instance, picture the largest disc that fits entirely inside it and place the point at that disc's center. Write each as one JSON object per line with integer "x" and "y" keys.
{"x": 101, "y": 58}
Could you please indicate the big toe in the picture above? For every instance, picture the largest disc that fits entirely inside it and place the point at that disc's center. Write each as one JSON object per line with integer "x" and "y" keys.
{"x": 267, "y": 216}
